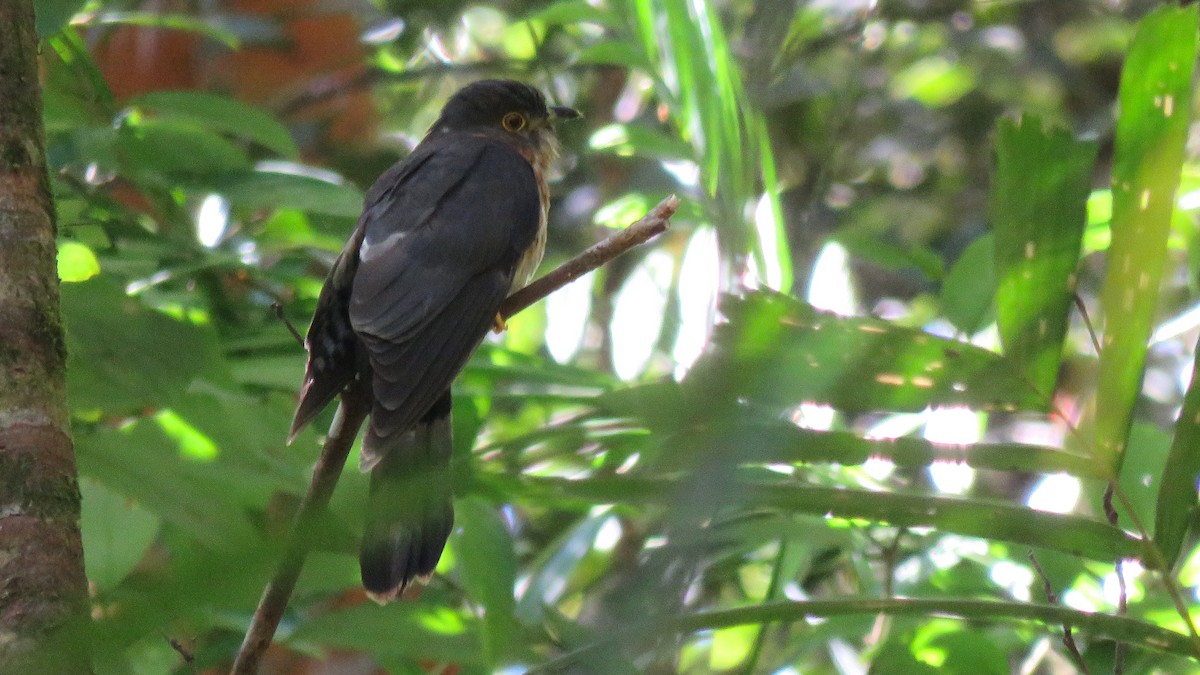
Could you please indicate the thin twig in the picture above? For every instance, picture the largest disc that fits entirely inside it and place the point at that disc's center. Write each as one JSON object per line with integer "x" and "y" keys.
{"x": 277, "y": 307}
{"x": 1087, "y": 321}
{"x": 656, "y": 221}
{"x": 1123, "y": 593}
{"x": 353, "y": 410}
{"x": 1068, "y": 638}
{"x": 349, "y": 417}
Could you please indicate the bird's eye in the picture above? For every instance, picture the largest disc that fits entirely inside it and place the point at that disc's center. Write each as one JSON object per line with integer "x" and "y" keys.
{"x": 513, "y": 122}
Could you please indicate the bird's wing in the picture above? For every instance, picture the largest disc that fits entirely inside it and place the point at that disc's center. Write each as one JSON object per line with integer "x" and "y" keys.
{"x": 439, "y": 248}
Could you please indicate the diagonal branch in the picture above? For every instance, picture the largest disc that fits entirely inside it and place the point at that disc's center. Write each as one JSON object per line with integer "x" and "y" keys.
{"x": 353, "y": 410}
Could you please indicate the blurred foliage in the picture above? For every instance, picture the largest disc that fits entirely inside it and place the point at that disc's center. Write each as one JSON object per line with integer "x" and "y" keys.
{"x": 891, "y": 211}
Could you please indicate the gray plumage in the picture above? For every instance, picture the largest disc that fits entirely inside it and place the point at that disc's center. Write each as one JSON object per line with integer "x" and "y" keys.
{"x": 411, "y": 296}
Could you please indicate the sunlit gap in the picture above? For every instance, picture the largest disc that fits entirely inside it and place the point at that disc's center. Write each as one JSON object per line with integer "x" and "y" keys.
{"x": 1057, "y": 493}
{"x": 1177, "y": 325}
{"x": 1014, "y": 578}
{"x": 767, "y": 227}
{"x": 212, "y": 219}
{"x": 698, "y": 281}
{"x": 567, "y": 312}
{"x": 815, "y": 416}
{"x": 830, "y": 287}
{"x": 294, "y": 169}
{"x": 892, "y": 426}
{"x": 638, "y": 314}
{"x": 954, "y": 425}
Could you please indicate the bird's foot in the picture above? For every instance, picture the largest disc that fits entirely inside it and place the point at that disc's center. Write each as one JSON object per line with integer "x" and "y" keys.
{"x": 499, "y": 324}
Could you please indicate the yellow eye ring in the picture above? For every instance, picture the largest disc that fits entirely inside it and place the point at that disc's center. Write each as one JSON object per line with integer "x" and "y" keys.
{"x": 513, "y": 122}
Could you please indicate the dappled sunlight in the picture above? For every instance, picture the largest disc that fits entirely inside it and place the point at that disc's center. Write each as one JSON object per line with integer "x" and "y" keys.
{"x": 212, "y": 219}
{"x": 638, "y": 314}
{"x": 567, "y": 314}
{"x": 830, "y": 287}
{"x": 697, "y": 290}
{"x": 1057, "y": 493}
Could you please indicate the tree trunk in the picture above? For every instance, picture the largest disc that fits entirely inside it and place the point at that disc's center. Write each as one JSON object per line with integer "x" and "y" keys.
{"x": 43, "y": 592}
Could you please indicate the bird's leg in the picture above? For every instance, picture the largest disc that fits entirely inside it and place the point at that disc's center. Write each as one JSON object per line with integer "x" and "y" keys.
{"x": 499, "y": 324}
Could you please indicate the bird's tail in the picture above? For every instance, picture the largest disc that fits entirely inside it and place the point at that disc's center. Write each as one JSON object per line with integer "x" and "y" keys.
{"x": 409, "y": 512}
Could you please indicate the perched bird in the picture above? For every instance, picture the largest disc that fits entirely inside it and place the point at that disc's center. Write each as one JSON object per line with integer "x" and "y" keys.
{"x": 445, "y": 236}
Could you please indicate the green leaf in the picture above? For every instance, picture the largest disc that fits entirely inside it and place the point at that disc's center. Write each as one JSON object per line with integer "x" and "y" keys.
{"x": 970, "y": 287}
{"x": 298, "y": 189}
{"x": 627, "y": 140}
{"x": 557, "y": 564}
{"x": 1142, "y": 634}
{"x": 177, "y": 148}
{"x": 1155, "y": 103}
{"x": 972, "y": 517}
{"x": 564, "y": 12}
{"x": 934, "y": 81}
{"x": 1177, "y": 492}
{"x": 123, "y": 356}
{"x": 1039, "y": 211}
{"x": 780, "y": 351}
{"x": 116, "y": 534}
{"x": 144, "y": 464}
{"x": 484, "y": 550}
{"x": 776, "y": 441}
{"x": 398, "y": 634}
{"x": 76, "y": 262}
{"x": 221, "y": 114}
{"x": 613, "y": 53}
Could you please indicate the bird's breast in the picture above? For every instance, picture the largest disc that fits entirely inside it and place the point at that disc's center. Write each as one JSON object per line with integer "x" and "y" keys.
{"x": 528, "y": 263}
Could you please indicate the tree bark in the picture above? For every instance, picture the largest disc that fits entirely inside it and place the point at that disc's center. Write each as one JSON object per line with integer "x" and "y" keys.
{"x": 43, "y": 591}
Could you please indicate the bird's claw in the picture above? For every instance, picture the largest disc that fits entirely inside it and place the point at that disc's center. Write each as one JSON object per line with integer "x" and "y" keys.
{"x": 499, "y": 324}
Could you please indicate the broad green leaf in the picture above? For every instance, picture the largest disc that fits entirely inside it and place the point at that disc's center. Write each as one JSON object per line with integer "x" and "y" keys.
{"x": 1155, "y": 103}
{"x": 484, "y": 550}
{"x": 116, "y": 533}
{"x": 967, "y": 652}
{"x": 1038, "y": 211}
{"x": 140, "y": 462}
{"x": 778, "y": 441}
{"x": 970, "y": 287}
{"x": 221, "y": 114}
{"x": 122, "y": 355}
{"x": 565, "y": 12}
{"x": 972, "y": 517}
{"x": 1142, "y": 634}
{"x": 1177, "y": 492}
{"x": 269, "y": 189}
{"x": 780, "y": 351}
{"x": 177, "y": 148}
{"x": 400, "y": 633}
{"x": 81, "y": 76}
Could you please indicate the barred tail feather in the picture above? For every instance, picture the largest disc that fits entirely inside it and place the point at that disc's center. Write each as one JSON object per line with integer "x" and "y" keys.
{"x": 409, "y": 512}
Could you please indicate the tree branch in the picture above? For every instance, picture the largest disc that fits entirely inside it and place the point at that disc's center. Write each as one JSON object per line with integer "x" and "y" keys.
{"x": 353, "y": 410}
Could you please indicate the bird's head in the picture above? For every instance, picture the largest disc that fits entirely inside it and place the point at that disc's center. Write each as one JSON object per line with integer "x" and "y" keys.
{"x": 506, "y": 107}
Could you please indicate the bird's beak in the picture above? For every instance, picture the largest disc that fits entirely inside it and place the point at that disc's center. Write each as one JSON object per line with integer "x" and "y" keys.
{"x": 562, "y": 112}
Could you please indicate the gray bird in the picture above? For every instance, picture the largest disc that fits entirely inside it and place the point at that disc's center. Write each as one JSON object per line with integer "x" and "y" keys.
{"x": 445, "y": 236}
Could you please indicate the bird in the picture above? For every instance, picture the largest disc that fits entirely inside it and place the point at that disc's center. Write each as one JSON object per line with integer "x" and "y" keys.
{"x": 445, "y": 235}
